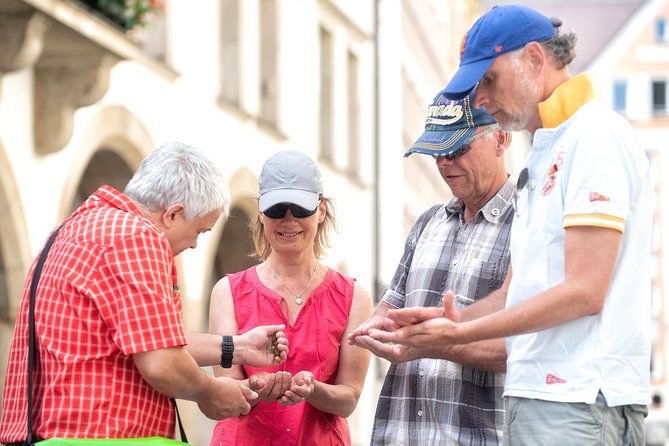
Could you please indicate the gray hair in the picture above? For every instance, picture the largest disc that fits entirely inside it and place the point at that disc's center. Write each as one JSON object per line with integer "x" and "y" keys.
{"x": 562, "y": 46}
{"x": 177, "y": 173}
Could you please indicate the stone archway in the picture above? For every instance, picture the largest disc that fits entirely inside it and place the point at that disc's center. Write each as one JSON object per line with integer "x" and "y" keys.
{"x": 233, "y": 251}
{"x": 111, "y": 149}
{"x": 15, "y": 258}
{"x": 235, "y": 247}
{"x": 104, "y": 167}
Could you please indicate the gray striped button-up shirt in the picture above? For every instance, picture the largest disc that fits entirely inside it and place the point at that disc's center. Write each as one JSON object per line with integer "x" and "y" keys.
{"x": 432, "y": 401}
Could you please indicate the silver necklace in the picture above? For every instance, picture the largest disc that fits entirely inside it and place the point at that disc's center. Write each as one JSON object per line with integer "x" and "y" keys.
{"x": 298, "y": 298}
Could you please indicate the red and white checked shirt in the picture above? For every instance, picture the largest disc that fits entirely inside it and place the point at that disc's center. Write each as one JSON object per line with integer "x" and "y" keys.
{"x": 107, "y": 291}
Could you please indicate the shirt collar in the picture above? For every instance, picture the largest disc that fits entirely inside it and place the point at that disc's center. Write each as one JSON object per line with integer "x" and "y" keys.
{"x": 117, "y": 199}
{"x": 493, "y": 210}
{"x": 566, "y": 99}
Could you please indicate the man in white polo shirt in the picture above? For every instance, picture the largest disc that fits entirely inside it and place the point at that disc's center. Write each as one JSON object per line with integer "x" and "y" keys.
{"x": 577, "y": 296}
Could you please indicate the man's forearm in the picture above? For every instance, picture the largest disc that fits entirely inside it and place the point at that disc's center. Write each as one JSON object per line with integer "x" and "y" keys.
{"x": 206, "y": 348}
{"x": 487, "y": 355}
{"x": 495, "y": 301}
{"x": 172, "y": 372}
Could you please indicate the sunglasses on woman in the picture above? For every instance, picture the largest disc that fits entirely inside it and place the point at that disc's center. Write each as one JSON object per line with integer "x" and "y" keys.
{"x": 280, "y": 210}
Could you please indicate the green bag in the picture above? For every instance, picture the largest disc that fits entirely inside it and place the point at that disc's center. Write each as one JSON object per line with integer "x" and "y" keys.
{"x": 151, "y": 441}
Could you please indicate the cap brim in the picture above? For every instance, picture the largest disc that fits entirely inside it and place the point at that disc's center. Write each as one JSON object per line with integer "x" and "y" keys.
{"x": 466, "y": 78}
{"x": 440, "y": 142}
{"x": 305, "y": 199}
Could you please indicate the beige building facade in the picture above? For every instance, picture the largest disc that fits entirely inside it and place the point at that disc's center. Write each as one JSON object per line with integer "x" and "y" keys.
{"x": 82, "y": 102}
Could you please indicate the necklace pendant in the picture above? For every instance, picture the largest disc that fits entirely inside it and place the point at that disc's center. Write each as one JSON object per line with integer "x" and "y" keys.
{"x": 298, "y": 300}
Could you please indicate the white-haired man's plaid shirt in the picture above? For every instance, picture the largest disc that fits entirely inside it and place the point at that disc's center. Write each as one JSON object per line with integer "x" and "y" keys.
{"x": 433, "y": 401}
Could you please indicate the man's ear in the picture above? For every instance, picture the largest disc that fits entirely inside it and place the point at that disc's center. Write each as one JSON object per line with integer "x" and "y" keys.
{"x": 536, "y": 56}
{"x": 173, "y": 213}
{"x": 503, "y": 140}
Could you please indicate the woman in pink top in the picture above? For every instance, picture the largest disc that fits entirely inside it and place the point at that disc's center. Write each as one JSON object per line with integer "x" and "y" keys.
{"x": 305, "y": 400}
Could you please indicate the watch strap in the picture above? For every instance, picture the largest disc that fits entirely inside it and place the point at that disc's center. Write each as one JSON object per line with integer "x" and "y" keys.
{"x": 227, "y": 349}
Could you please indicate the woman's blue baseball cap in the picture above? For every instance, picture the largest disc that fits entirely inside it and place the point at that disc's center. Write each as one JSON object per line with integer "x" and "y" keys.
{"x": 503, "y": 29}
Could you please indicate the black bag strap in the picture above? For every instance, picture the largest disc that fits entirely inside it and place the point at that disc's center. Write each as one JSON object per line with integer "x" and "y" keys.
{"x": 32, "y": 342}
{"x": 439, "y": 274}
{"x": 182, "y": 431}
{"x": 428, "y": 216}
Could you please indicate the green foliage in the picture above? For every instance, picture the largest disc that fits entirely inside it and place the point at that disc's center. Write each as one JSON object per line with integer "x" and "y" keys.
{"x": 127, "y": 14}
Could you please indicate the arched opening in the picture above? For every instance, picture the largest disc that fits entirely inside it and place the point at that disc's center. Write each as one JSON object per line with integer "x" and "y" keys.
{"x": 235, "y": 248}
{"x": 15, "y": 258}
{"x": 104, "y": 167}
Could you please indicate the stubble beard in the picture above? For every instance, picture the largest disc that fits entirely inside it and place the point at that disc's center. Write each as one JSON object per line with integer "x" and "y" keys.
{"x": 526, "y": 95}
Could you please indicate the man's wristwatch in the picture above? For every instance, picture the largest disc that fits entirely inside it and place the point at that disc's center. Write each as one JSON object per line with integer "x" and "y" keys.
{"x": 227, "y": 348}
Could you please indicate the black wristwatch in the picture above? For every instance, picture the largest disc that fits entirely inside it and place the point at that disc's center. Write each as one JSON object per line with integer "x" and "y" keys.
{"x": 227, "y": 348}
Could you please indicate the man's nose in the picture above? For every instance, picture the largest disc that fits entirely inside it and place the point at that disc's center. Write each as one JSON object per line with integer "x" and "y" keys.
{"x": 443, "y": 161}
{"x": 480, "y": 97}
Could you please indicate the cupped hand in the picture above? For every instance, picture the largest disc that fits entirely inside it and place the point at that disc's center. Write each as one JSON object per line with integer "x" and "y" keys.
{"x": 270, "y": 386}
{"x": 263, "y": 346}
{"x": 415, "y": 328}
{"x": 226, "y": 398}
{"x": 302, "y": 386}
{"x": 437, "y": 331}
{"x": 375, "y": 321}
{"x": 392, "y": 352}
{"x": 415, "y": 315}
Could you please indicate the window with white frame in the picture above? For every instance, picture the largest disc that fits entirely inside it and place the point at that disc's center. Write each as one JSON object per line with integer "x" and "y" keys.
{"x": 326, "y": 106}
{"x": 620, "y": 96}
{"x": 661, "y": 30}
{"x": 353, "y": 116}
{"x": 269, "y": 45}
{"x": 659, "y": 97}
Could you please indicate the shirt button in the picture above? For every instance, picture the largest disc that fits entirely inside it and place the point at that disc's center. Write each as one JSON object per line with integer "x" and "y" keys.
{"x": 495, "y": 212}
{"x": 420, "y": 373}
{"x": 420, "y": 413}
{"x": 288, "y": 430}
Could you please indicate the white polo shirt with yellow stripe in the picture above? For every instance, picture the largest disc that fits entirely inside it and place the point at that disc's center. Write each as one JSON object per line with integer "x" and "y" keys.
{"x": 585, "y": 169}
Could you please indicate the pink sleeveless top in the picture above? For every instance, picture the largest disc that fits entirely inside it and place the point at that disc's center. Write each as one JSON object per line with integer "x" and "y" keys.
{"x": 313, "y": 345}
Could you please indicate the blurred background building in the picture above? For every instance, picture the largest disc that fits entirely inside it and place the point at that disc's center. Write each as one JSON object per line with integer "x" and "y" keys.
{"x": 88, "y": 88}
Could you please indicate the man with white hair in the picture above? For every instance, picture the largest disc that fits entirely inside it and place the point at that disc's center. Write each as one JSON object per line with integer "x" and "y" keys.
{"x": 443, "y": 394}
{"x": 111, "y": 345}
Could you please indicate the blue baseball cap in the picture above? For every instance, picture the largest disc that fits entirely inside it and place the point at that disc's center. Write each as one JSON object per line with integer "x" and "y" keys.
{"x": 503, "y": 29}
{"x": 448, "y": 124}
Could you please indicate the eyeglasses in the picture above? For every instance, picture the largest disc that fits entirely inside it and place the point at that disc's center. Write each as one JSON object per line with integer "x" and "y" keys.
{"x": 280, "y": 210}
{"x": 466, "y": 144}
{"x": 523, "y": 178}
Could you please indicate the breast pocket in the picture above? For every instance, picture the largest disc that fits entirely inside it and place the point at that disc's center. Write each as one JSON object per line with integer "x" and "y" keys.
{"x": 481, "y": 278}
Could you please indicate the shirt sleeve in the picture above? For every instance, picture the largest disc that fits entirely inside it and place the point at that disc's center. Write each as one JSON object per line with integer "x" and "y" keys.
{"x": 137, "y": 294}
{"x": 603, "y": 177}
